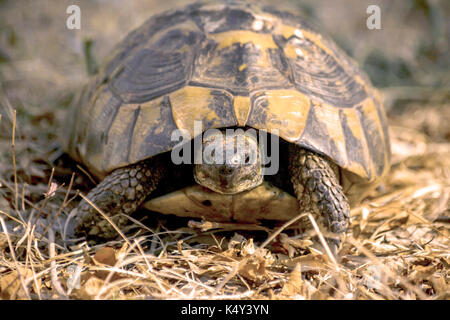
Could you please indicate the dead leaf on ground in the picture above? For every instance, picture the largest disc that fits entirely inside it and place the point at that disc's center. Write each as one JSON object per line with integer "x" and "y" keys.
{"x": 10, "y": 285}
{"x": 105, "y": 256}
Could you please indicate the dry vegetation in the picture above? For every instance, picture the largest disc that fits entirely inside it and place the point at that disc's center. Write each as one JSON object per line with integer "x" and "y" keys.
{"x": 398, "y": 246}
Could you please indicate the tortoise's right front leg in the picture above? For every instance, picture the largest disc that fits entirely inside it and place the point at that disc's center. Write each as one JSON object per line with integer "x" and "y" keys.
{"x": 118, "y": 195}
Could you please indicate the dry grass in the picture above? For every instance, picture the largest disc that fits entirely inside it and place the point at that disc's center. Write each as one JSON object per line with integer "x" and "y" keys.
{"x": 398, "y": 246}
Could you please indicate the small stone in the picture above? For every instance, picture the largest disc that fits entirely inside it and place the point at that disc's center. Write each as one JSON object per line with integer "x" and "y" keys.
{"x": 148, "y": 173}
{"x": 139, "y": 187}
{"x": 139, "y": 175}
{"x": 125, "y": 183}
{"x": 133, "y": 172}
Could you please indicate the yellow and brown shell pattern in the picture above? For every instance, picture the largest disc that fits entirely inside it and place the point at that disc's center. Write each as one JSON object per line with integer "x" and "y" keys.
{"x": 228, "y": 65}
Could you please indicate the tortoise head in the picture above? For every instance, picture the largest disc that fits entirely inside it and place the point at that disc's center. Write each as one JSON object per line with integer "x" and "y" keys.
{"x": 231, "y": 161}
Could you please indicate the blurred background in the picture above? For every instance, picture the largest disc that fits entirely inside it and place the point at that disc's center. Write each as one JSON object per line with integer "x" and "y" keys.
{"x": 40, "y": 57}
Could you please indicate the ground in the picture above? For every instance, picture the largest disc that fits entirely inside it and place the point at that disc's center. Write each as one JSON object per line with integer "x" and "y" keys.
{"x": 398, "y": 244}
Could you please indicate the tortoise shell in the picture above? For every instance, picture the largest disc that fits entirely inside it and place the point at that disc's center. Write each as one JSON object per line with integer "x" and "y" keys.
{"x": 230, "y": 65}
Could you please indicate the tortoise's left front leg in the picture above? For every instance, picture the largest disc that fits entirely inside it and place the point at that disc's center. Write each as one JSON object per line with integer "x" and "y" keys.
{"x": 316, "y": 185}
{"x": 118, "y": 195}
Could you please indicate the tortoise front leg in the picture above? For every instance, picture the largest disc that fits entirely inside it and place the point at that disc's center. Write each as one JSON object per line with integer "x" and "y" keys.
{"x": 317, "y": 188}
{"x": 118, "y": 195}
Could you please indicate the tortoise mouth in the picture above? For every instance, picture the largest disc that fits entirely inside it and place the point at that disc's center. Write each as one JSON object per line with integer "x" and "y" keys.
{"x": 228, "y": 184}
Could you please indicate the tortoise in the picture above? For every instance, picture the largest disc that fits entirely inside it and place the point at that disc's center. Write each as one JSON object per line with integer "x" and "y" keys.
{"x": 238, "y": 66}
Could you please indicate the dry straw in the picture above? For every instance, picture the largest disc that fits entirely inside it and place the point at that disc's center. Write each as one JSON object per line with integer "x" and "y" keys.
{"x": 397, "y": 247}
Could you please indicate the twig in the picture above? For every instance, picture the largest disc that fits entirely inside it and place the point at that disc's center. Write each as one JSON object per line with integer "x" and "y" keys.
{"x": 53, "y": 274}
{"x": 41, "y": 208}
{"x": 64, "y": 204}
{"x": 322, "y": 240}
{"x": 87, "y": 174}
{"x": 13, "y": 149}
{"x": 284, "y": 226}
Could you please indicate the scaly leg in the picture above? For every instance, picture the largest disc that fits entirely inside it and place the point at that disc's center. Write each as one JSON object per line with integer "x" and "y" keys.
{"x": 317, "y": 188}
{"x": 119, "y": 194}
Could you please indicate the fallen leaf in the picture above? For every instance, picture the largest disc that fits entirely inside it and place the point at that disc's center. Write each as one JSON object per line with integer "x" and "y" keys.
{"x": 295, "y": 283}
{"x": 90, "y": 288}
{"x": 10, "y": 286}
{"x": 105, "y": 256}
{"x": 254, "y": 267}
